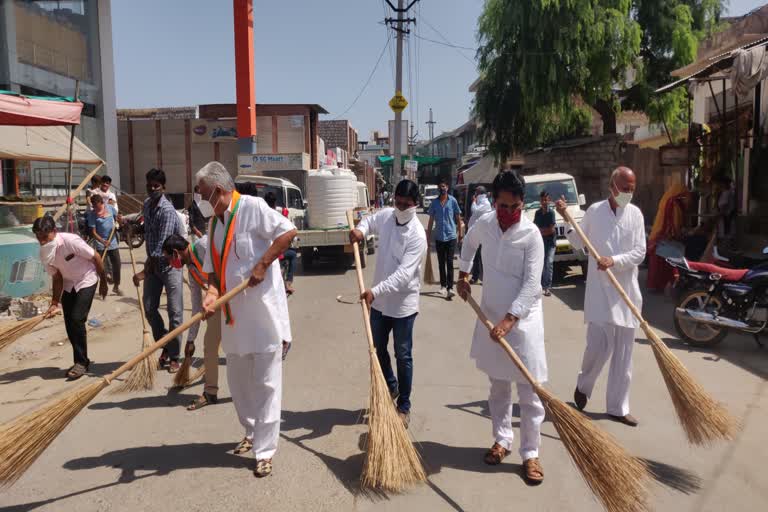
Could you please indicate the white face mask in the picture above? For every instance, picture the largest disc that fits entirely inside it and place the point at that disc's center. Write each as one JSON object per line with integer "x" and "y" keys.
{"x": 48, "y": 252}
{"x": 196, "y": 197}
{"x": 405, "y": 216}
{"x": 622, "y": 198}
{"x": 205, "y": 206}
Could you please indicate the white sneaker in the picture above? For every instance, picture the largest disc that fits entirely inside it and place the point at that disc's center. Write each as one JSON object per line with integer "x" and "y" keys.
{"x": 443, "y": 292}
{"x": 449, "y": 294}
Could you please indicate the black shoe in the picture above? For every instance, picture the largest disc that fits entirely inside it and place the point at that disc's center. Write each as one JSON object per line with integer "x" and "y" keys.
{"x": 627, "y": 420}
{"x": 580, "y": 399}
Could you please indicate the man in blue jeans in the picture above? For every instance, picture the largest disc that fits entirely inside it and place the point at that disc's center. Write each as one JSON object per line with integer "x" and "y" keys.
{"x": 394, "y": 299}
{"x": 445, "y": 216}
{"x": 545, "y": 221}
{"x": 160, "y": 222}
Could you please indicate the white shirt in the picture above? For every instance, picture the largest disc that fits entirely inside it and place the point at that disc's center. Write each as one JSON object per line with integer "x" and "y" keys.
{"x": 110, "y": 196}
{"x": 512, "y": 265}
{"x": 479, "y": 208}
{"x": 620, "y": 235}
{"x": 397, "y": 279}
{"x": 260, "y": 313}
{"x": 74, "y": 260}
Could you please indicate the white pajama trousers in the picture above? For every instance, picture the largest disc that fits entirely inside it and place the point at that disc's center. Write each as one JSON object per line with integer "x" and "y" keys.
{"x": 606, "y": 341}
{"x": 196, "y": 295}
{"x": 255, "y": 383}
{"x": 531, "y": 416}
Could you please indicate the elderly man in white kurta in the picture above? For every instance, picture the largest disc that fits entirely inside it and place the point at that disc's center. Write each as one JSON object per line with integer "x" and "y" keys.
{"x": 513, "y": 257}
{"x": 246, "y": 237}
{"x": 617, "y": 230}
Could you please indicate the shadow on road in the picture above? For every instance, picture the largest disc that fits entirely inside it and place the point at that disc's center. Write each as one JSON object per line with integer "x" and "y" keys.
{"x": 172, "y": 399}
{"x": 679, "y": 479}
{"x": 55, "y": 373}
{"x": 320, "y": 423}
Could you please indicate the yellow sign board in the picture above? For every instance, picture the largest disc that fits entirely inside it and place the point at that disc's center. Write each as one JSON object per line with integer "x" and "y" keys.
{"x": 398, "y": 102}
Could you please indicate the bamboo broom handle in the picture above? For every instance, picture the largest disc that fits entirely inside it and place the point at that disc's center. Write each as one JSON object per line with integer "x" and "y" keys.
{"x": 361, "y": 286}
{"x": 180, "y": 329}
{"x": 138, "y": 291}
{"x": 509, "y": 350}
{"x": 73, "y": 194}
{"x": 643, "y": 324}
{"x": 109, "y": 241}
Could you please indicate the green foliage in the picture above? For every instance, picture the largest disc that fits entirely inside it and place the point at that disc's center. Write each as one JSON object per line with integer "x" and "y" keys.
{"x": 537, "y": 56}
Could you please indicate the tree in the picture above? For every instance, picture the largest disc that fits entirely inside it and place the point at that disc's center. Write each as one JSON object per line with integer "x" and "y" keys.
{"x": 538, "y": 57}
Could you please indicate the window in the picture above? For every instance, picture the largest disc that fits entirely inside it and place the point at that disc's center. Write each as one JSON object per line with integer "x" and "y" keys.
{"x": 294, "y": 199}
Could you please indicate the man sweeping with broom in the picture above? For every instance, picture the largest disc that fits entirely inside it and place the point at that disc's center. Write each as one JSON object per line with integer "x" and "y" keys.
{"x": 245, "y": 239}
{"x": 513, "y": 257}
{"x": 617, "y": 231}
{"x": 394, "y": 299}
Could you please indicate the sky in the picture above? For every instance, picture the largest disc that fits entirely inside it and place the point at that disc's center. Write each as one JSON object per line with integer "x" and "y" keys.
{"x": 181, "y": 53}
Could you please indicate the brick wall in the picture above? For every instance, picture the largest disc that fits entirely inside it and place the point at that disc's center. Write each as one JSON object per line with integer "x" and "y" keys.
{"x": 336, "y": 134}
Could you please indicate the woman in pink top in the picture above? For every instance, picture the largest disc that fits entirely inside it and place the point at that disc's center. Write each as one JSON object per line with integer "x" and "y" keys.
{"x": 76, "y": 269}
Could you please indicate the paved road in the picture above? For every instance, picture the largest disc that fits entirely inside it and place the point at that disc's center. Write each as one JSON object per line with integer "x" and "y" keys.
{"x": 145, "y": 452}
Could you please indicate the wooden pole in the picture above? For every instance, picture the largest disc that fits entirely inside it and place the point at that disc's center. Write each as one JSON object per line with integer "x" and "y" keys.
{"x": 63, "y": 208}
{"x": 361, "y": 285}
{"x": 68, "y": 180}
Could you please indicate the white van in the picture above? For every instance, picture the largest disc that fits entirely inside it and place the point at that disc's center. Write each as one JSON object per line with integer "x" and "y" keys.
{"x": 430, "y": 194}
{"x": 288, "y": 195}
{"x": 557, "y": 185}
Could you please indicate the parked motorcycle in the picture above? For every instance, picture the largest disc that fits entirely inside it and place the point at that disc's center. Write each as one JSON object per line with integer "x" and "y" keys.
{"x": 719, "y": 299}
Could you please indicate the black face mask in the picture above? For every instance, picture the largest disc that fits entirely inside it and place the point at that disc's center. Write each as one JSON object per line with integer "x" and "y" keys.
{"x": 155, "y": 195}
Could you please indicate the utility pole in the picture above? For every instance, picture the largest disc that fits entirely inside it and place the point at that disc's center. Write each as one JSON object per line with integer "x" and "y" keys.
{"x": 397, "y": 169}
{"x": 431, "y": 124}
{"x": 411, "y": 143}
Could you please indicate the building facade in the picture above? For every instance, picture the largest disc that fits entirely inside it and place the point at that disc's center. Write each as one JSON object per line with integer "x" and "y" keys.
{"x": 46, "y": 48}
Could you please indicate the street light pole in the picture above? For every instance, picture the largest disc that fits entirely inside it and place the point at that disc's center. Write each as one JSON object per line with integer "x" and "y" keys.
{"x": 398, "y": 150}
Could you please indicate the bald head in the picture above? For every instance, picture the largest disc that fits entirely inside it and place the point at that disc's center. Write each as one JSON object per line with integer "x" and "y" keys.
{"x": 623, "y": 180}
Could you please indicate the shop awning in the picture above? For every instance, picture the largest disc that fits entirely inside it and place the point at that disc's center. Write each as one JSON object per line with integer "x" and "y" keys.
{"x": 422, "y": 160}
{"x": 19, "y": 110}
{"x": 484, "y": 171}
{"x": 43, "y": 143}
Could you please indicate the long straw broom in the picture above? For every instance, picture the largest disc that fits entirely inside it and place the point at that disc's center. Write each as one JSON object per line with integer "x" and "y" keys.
{"x": 703, "y": 419}
{"x": 18, "y": 329}
{"x": 429, "y": 271}
{"x": 24, "y": 439}
{"x": 391, "y": 462}
{"x": 616, "y": 478}
{"x": 142, "y": 376}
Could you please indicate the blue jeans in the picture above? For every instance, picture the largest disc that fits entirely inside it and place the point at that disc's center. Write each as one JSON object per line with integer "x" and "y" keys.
{"x": 402, "y": 332}
{"x": 290, "y": 260}
{"x": 549, "y": 258}
{"x": 171, "y": 279}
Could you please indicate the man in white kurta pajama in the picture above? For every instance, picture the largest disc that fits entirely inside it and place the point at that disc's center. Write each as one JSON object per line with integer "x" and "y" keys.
{"x": 257, "y": 321}
{"x": 513, "y": 258}
{"x": 617, "y": 230}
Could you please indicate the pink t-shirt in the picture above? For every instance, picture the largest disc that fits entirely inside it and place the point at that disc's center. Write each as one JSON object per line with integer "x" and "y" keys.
{"x": 74, "y": 259}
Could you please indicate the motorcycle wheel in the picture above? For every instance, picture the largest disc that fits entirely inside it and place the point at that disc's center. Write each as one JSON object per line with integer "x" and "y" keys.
{"x": 137, "y": 241}
{"x": 696, "y": 333}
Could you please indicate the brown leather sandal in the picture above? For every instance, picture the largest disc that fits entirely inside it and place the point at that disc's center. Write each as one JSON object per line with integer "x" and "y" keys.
{"x": 202, "y": 401}
{"x": 263, "y": 468}
{"x": 533, "y": 472}
{"x": 244, "y": 446}
{"x": 495, "y": 454}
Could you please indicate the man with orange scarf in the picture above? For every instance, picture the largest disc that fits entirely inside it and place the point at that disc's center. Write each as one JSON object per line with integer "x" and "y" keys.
{"x": 245, "y": 238}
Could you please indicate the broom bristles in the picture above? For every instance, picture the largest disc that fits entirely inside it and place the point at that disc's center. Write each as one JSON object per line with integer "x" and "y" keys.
{"x": 704, "y": 420}
{"x": 181, "y": 379}
{"x": 25, "y": 438}
{"x": 617, "y": 479}
{"x": 391, "y": 462}
{"x": 18, "y": 329}
{"x": 200, "y": 373}
{"x": 429, "y": 271}
{"x": 142, "y": 376}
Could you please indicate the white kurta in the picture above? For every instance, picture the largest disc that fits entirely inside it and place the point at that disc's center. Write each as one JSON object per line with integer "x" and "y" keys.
{"x": 397, "y": 279}
{"x": 512, "y": 265}
{"x": 620, "y": 235}
{"x": 260, "y": 313}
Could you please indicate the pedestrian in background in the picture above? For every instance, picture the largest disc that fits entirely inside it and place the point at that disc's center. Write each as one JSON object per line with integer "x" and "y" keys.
{"x": 514, "y": 254}
{"x": 617, "y": 230}
{"x": 160, "y": 222}
{"x": 480, "y": 206}
{"x": 107, "y": 193}
{"x": 394, "y": 298}
{"x": 198, "y": 224}
{"x": 289, "y": 256}
{"x": 545, "y": 220}
{"x": 445, "y": 217}
{"x": 103, "y": 223}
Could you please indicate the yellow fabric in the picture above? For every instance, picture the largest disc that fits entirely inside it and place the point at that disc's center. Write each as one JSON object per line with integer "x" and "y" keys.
{"x": 659, "y": 228}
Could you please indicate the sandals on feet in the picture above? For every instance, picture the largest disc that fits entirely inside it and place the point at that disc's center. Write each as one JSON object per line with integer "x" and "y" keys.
{"x": 532, "y": 471}
{"x": 244, "y": 446}
{"x": 495, "y": 454}
{"x": 77, "y": 371}
{"x": 263, "y": 468}
{"x": 173, "y": 366}
{"x": 202, "y": 401}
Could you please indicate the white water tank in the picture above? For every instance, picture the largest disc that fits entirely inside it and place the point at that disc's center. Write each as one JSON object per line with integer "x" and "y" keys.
{"x": 330, "y": 194}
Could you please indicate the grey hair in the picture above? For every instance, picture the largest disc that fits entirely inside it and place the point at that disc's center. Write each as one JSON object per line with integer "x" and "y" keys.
{"x": 214, "y": 174}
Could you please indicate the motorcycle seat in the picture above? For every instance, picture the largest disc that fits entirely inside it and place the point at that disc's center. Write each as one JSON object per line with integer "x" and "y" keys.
{"x": 729, "y": 274}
